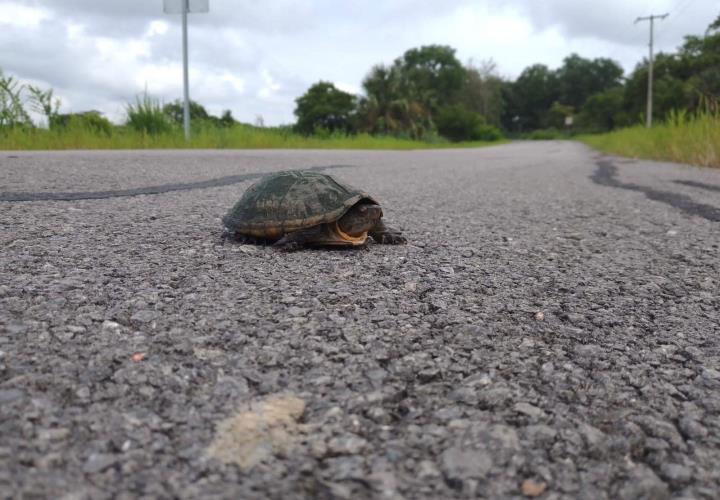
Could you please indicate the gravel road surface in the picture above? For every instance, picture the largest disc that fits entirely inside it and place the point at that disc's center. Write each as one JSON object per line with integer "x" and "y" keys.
{"x": 551, "y": 330}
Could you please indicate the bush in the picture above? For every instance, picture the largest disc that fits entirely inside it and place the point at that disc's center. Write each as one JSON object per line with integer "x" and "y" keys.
{"x": 147, "y": 116}
{"x": 460, "y": 124}
{"x": 546, "y": 134}
{"x": 489, "y": 133}
{"x": 92, "y": 121}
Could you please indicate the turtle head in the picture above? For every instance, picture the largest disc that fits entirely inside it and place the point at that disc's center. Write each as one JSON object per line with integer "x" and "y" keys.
{"x": 361, "y": 218}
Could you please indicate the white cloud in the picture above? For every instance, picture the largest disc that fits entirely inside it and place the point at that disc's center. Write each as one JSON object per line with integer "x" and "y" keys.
{"x": 17, "y": 15}
{"x": 350, "y": 88}
{"x": 157, "y": 28}
{"x": 270, "y": 86}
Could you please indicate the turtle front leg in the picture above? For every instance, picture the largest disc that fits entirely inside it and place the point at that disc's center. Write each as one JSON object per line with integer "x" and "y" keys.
{"x": 298, "y": 239}
{"x": 386, "y": 235}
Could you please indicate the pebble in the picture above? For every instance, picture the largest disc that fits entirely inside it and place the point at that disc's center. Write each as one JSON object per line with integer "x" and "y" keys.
{"x": 346, "y": 445}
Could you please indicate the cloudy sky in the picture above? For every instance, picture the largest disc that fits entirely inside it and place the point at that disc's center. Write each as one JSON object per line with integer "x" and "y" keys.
{"x": 255, "y": 58}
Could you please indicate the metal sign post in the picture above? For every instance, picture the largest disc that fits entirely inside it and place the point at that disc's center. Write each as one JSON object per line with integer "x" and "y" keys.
{"x": 185, "y": 7}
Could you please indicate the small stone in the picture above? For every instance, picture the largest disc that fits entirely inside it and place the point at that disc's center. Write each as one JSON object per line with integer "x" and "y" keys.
{"x": 532, "y": 488}
{"x": 318, "y": 448}
{"x": 467, "y": 395}
{"x": 53, "y": 434}
{"x": 428, "y": 375}
{"x": 540, "y": 435}
{"x": 692, "y": 429}
{"x": 49, "y": 461}
{"x": 346, "y": 445}
{"x": 539, "y": 316}
{"x": 110, "y": 327}
{"x": 459, "y": 465}
{"x": 144, "y": 316}
{"x": 295, "y": 311}
{"x": 643, "y": 483}
{"x": 447, "y": 270}
{"x": 672, "y": 232}
{"x": 379, "y": 415}
{"x": 10, "y": 395}
{"x": 438, "y": 305}
{"x": 528, "y": 409}
{"x": 676, "y": 473}
{"x": 98, "y": 462}
{"x": 248, "y": 249}
{"x": 427, "y": 470}
{"x": 410, "y": 286}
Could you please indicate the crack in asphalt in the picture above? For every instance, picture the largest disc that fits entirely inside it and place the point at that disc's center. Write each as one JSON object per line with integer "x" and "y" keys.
{"x": 606, "y": 175}
{"x": 701, "y": 185}
{"x": 159, "y": 189}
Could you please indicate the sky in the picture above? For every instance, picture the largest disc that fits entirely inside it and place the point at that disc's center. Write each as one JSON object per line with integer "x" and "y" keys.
{"x": 255, "y": 58}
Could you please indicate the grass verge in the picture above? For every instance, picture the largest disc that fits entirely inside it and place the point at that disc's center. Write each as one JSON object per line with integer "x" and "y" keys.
{"x": 235, "y": 137}
{"x": 683, "y": 138}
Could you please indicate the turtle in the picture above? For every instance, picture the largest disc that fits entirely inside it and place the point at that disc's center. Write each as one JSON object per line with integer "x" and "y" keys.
{"x": 293, "y": 209}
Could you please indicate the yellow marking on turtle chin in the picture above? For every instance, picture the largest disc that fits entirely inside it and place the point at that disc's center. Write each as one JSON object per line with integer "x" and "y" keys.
{"x": 354, "y": 240}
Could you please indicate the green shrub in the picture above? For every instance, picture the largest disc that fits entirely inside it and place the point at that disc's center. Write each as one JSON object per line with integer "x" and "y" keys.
{"x": 147, "y": 116}
{"x": 460, "y": 124}
{"x": 545, "y": 134}
{"x": 489, "y": 133}
{"x": 91, "y": 121}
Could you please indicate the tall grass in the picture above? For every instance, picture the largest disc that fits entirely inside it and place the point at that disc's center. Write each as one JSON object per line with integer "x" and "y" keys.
{"x": 684, "y": 138}
{"x": 146, "y": 116}
{"x": 78, "y": 136}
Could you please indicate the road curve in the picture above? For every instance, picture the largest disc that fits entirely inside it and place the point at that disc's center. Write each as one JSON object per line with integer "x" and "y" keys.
{"x": 550, "y": 330}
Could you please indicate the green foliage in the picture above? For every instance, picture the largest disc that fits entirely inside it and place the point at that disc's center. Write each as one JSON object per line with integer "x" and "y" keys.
{"x": 556, "y": 115}
{"x": 530, "y": 97}
{"x": 546, "y": 134}
{"x": 199, "y": 116}
{"x": 692, "y": 138}
{"x": 91, "y": 121}
{"x": 430, "y": 75}
{"x": 326, "y": 107}
{"x": 403, "y": 98}
{"x": 238, "y": 136}
{"x": 457, "y": 123}
{"x": 387, "y": 110}
{"x": 42, "y": 102}
{"x": 175, "y": 112}
{"x": 226, "y": 119}
{"x": 482, "y": 91}
{"x": 604, "y": 111}
{"x": 12, "y": 111}
{"x": 579, "y": 78}
{"x": 147, "y": 116}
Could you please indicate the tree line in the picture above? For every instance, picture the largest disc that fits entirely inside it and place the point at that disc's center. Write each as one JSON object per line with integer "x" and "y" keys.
{"x": 428, "y": 91}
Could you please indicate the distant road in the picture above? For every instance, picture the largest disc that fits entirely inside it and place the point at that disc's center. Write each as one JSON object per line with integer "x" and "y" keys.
{"x": 552, "y": 326}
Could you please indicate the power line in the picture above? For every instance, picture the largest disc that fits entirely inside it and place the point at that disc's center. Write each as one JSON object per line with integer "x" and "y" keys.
{"x": 651, "y": 18}
{"x": 677, "y": 12}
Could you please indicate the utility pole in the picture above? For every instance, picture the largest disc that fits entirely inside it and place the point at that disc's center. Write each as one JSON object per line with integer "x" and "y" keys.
{"x": 651, "y": 18}
{"x": 186, "y": 77}
{"x": 185, "y": 7}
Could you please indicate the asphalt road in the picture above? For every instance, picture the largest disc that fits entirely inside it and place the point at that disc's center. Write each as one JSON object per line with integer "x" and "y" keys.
{"x": 551, "y": 330}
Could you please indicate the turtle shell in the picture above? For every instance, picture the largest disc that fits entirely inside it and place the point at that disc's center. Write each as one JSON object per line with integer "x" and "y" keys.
{"x": 283, "y": 202}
